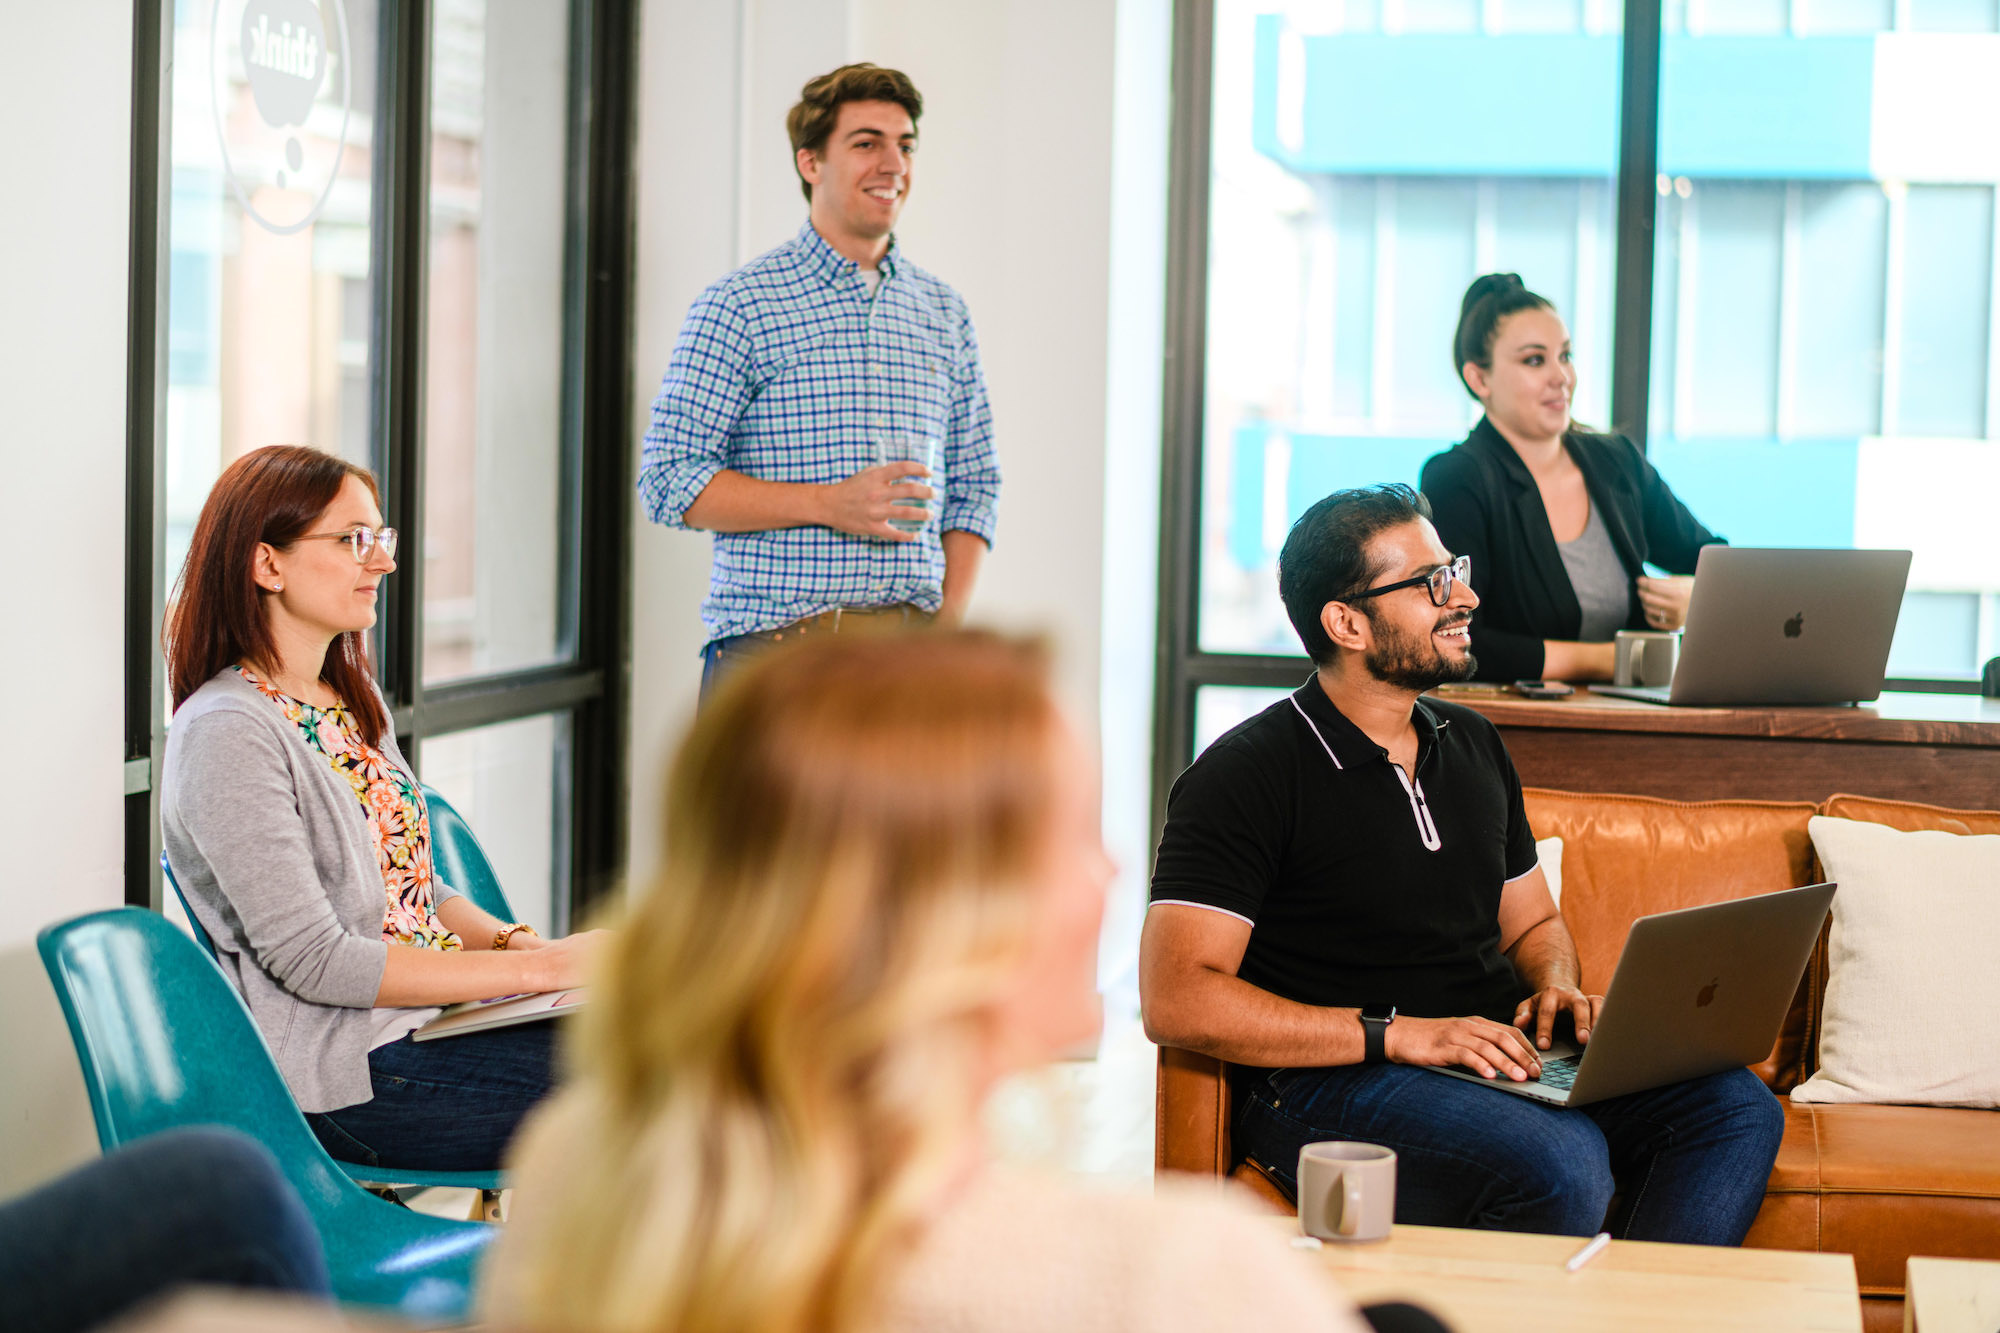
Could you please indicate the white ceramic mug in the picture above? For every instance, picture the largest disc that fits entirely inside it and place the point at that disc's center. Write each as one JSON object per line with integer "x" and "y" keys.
{"x": 1645, "y": 656}
{"x": 1347, "y": 1191}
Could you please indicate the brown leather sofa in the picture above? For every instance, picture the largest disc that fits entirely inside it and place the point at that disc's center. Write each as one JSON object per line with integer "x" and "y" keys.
{"x": 1879, "y": 1182}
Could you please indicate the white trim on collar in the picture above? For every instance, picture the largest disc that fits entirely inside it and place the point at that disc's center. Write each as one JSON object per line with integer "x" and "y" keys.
{"x": 1427, "y": 829}
{"x": 1317, "y": 733}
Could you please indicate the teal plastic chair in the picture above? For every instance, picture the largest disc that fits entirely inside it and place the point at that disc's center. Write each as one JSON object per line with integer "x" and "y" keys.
{"x": 164, "y": 1041}
{"x": 460, "y": 862}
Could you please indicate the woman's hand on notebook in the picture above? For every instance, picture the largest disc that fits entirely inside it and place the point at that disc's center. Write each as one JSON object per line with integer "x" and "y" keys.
{"x": 561, "y": 964}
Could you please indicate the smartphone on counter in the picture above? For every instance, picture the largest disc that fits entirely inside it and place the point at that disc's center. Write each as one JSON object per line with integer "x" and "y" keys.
{"x": 1543, "y": 689}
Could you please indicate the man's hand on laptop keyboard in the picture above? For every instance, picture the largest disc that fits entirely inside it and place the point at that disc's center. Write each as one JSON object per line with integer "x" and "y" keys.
{"x": 1541, "y": 1010}
{"x": 1487, "y": 1048}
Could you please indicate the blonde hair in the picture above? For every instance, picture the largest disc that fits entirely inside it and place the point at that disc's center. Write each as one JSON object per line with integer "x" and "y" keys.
{"x": 783, "y": 1052}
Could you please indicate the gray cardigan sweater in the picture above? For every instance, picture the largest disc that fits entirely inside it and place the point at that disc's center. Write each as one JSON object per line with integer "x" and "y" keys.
{"x": 271, "y": 849}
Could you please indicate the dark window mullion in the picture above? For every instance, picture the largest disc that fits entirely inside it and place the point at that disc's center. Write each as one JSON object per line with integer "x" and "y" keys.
{"x": 1638, "y": 205}
{"x": 402, "y": 170}
{"x": 1185, "y": 384}
{"x": 145, "y": 460}
{"x": 495, "y": 699}
{"x": 603, "y": 133}
{"x": 575, "y": 316}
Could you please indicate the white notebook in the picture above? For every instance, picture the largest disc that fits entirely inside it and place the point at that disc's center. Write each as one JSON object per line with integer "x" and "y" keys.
{"x": 500, "y": 1012}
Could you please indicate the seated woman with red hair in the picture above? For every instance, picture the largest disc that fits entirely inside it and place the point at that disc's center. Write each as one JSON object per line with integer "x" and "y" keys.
{"x": 298, "y": 833}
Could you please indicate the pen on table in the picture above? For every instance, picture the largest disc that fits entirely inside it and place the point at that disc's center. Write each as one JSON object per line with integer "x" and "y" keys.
{"x": 1598, "y": 1244}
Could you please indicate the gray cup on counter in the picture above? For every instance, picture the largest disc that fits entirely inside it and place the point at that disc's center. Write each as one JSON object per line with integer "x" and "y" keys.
{"x": 1645, "y": 657}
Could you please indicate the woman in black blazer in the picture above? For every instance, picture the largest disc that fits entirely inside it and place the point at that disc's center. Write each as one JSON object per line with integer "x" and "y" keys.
{"x": 1559, "y": 522}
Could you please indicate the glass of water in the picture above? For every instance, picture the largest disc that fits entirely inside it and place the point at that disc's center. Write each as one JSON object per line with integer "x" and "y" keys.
{"x": 925, "y": 451}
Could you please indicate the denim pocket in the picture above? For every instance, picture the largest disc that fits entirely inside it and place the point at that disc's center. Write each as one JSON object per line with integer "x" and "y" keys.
{"x": 339, "y": 1143}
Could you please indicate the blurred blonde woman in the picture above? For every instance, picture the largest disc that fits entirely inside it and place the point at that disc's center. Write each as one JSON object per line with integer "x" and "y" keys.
{"x": 882, "y": 892}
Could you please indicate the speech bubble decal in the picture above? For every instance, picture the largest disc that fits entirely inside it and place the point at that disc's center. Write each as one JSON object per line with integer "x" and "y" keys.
{"x": 294, "y": 57}
{"x": 284, "y": 55}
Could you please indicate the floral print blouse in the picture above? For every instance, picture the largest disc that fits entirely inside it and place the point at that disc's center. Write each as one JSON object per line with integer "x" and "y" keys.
{"x": 397, "y": 823}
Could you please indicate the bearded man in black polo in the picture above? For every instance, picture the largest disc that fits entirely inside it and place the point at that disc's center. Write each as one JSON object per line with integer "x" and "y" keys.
{"x": 1347, "y": 891}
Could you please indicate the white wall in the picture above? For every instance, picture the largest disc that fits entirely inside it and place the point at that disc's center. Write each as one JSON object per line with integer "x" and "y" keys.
{"x": 1135, "y": 334}
{"x": 65, "y": 88}
{"x": 1012, "y": 205}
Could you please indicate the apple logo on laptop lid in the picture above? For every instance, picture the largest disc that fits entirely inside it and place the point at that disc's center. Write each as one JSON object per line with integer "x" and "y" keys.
{"x": 1796, "y": 625}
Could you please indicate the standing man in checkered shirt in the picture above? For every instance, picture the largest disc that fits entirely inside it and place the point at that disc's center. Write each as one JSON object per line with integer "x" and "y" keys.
{"x": 792, "y": 374}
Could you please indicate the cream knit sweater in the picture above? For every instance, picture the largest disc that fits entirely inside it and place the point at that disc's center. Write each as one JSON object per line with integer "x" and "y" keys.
{"x": 1020, "y": 1252}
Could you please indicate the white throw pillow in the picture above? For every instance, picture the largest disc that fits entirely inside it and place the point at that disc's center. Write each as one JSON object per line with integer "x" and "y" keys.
{"x": 1913, "y": 984}
{"x": 1550, "y": 850}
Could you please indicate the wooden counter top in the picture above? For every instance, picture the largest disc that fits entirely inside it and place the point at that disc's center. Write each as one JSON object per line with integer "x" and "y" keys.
{"x": 1968, "y": 720}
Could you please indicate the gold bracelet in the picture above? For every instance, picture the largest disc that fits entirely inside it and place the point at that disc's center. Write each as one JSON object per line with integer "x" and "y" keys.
{"x": 501, "y": 937}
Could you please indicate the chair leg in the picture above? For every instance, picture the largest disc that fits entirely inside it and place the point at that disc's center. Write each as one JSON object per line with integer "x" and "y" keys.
{"x": 485, "y": 1206}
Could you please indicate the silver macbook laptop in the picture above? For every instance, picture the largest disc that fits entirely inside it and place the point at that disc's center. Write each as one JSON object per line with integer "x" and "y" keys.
{"x": 1696, "y": 991}
{"x": 1770, "y": 626}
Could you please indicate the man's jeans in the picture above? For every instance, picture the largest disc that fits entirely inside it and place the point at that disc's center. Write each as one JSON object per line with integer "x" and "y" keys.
{"x": 446, "y": 1105}
{"x": 722, "y": 656}
{"x": 205, "y": 1206}
{"x": 1688, "y": 1162}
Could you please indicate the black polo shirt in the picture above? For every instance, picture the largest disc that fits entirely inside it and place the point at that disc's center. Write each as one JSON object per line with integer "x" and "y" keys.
{"x": 1359, "y": 885}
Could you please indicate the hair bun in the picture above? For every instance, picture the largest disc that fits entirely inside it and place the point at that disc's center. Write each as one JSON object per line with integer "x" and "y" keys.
{"x": 1490, "y": 284}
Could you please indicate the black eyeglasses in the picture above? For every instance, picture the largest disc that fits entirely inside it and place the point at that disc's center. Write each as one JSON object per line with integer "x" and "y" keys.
{"x": 361, "y": 541}
{"x": 1438, "y": 582}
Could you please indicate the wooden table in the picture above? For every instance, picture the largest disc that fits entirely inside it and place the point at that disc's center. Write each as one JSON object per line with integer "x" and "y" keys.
{"x": 1940, "y": 748}
{"x": 1507, "y": 1282}
{"x": 1952, "y": 1296}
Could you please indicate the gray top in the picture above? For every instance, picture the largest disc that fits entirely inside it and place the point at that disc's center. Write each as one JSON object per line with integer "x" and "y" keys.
{"x": 272, "y": 852}
{"x": 1602, "y": 586}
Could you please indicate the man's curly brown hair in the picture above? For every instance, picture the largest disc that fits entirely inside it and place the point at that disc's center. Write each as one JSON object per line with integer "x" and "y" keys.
{"x": 810, "y": 122}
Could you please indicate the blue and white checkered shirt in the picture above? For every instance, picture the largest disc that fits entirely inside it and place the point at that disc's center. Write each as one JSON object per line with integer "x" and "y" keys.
{"x": 787, "y": 371}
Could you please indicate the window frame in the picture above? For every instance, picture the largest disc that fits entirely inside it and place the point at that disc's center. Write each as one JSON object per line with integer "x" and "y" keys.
{"x": 1182, "y": 668}
{"x": 594, "y": 541}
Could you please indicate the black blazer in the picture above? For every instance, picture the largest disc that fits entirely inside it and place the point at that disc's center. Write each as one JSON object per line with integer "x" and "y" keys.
{"x": 1485, "y": 505}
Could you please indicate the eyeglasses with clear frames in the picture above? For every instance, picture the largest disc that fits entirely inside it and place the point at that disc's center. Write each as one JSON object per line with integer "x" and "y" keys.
{"x": 1438, "y": 582}
{"x": 361, "y": 541}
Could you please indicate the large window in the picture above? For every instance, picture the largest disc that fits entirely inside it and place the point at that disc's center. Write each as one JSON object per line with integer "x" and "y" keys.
{"x": 493, "y": 356}
{"x": 1823, "y": 360}
{"x": 1358, "y": 179}
{"x": 373, "y": 224}
{"x": 1771, "y": 226}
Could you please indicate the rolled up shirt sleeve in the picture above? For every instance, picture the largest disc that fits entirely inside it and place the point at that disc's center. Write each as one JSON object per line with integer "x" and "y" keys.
{"x": 971, "y": 463}
{"x": 701, "y": 398}
{"x": 243, "y": 819}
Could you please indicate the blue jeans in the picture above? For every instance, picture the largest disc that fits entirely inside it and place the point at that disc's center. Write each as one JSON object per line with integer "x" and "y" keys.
{"x": 1687, "y": 1162}
{"x": 722, "y": 656}
{"x": 447, "y": 1105}
{"x": 203, "y": 1205}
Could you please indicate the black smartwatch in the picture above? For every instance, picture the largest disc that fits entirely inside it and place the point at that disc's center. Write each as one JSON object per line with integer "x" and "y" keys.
{"x": 1375, "y": 1021}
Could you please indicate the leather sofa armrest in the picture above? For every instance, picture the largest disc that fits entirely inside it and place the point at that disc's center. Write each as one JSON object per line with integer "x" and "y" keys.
{"x": 1191, "y": 1114}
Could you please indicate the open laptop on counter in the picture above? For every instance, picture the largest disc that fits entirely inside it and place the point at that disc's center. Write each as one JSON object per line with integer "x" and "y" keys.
{"x": 1784, "y": 626}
